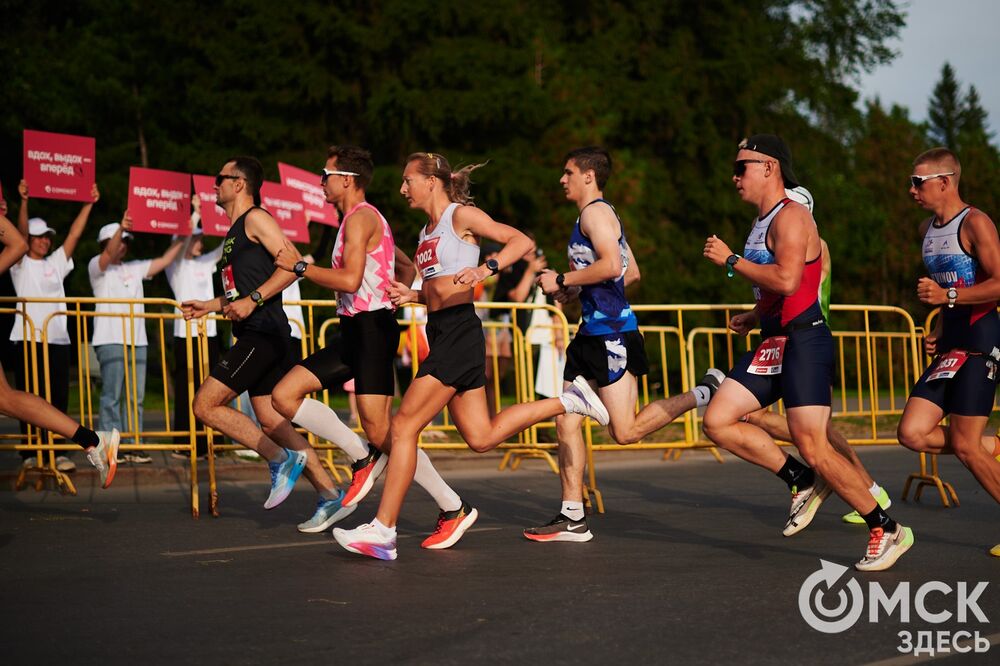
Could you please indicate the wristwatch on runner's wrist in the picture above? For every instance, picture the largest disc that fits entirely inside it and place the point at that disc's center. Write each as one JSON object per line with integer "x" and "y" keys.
{"x": 256, "y": 298}
{"x": 300, "y": 268}
{"x": 561, "y": 281}
{"x": 493, "y": 265}
{"x": 952, "y": 294}
{"x": 731, "y": 263}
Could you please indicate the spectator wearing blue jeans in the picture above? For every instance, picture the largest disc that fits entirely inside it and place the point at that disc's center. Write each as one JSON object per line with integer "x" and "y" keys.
{"x": 116, "y": 343}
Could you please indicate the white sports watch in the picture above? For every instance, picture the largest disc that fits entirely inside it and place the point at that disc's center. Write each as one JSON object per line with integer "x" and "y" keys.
{"x": 952, "y": 294}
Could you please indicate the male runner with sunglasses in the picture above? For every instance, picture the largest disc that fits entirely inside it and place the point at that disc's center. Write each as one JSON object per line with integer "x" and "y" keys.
{"x": 262, "y": 354}
{"x": 805, "y": 506}
{"x": 961, "y": 251}
{"x": 795, "y": 360}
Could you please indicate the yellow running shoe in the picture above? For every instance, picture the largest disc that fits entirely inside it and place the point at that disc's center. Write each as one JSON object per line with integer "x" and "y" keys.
{"x": 854, "y": 518}
{"x": 995, "y": 550}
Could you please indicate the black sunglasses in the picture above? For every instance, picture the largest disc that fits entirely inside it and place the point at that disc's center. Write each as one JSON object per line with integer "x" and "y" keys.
{"x": 917, "y": 181}
{"x": 221, "y": 177}
{"x": 740, "y": 166}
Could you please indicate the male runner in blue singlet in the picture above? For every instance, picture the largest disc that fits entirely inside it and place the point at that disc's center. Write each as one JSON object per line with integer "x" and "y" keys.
{"x": 608, "y": 349}
{"x": 961, "y": 251}
{"x": 782, "y": 259}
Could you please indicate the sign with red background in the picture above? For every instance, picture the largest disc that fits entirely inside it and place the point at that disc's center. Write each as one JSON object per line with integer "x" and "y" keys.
{"x": 159, "y": 201}
{"x": 307, "y": 182}
{"x": 285, "y": 205}
{"x": 213, "y": 219}
{"x": 59, "y": 166}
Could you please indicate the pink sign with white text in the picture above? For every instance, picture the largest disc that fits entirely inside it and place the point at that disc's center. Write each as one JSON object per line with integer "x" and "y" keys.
{"x": 308, "y": 183}
{"x": 213, "y": 219}
{"x": 159, "y": 201}
{"x": 59, "y": 166}
{"x": 285, "y": 205}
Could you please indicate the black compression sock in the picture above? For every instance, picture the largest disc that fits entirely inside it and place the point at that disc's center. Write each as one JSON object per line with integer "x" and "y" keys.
{"x": 86, "y": 437}
{"x": 795, "y": 474}
{"x": 879, "y": 518}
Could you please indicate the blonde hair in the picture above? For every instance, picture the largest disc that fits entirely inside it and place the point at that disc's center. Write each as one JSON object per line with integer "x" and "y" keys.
{"x": 456, "y": 183}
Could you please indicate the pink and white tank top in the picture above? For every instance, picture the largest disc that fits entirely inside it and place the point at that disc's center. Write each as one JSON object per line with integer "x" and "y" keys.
{"x": 442, "y": 251}
{"x": 380, "y": 269}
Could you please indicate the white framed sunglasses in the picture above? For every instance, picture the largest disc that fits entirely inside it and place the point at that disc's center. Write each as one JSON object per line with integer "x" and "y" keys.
{"x": 327, "y": 173}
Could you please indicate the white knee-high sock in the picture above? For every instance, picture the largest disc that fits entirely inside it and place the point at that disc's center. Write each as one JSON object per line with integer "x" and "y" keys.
{"x": 320, "y": 420}
{"x": 429, "y": 479}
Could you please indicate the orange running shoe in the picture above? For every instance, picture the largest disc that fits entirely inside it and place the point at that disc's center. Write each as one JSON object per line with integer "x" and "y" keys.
{"x": 451, "y": 526}
{"x": 364, "y": 472}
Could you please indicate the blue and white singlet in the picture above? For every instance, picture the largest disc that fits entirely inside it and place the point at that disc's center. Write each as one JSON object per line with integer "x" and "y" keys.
{"x": 606, "y": 311}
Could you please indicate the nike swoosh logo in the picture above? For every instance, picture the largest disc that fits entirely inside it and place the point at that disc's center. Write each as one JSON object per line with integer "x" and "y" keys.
{"x": 576, "y": 528}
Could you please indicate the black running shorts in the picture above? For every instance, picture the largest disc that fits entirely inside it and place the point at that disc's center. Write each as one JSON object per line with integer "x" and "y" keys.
{"x": 256, "y": 363}
{"x": 368, "y": 344}
{"x": 969, "y": 393}
{"x": 806, "y": 372}
{"x": 605, "y": 358}
{"x": 457, "y": 355}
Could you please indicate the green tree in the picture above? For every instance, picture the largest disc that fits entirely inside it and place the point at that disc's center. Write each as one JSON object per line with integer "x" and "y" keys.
{"x": 945, "y": 111}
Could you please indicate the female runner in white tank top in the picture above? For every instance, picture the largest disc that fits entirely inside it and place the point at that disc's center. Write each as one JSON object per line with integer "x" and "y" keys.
{"x": 453, "y": 374}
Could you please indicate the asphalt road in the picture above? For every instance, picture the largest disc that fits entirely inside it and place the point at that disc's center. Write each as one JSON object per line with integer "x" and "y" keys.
{"x": 688, "y": 566}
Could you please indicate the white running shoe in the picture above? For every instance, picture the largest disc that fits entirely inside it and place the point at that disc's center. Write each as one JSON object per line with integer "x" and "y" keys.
{"x": 579, "y": 398}
{"x": 104, "y": 456}
{"x": 367, "y": 540}
{"x": 805, "y": 504}
{"x": 884, "y": 548}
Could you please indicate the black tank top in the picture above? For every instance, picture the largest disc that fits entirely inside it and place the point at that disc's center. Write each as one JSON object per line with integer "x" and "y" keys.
{"x": 250, "y": 265}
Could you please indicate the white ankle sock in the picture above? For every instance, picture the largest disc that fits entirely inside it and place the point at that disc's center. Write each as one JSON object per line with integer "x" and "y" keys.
{"x": 701, "y": 395}
{"x": 875, "y": 490}
{"x": 383, "y": 531}
{"x": 320, "y": 420}
{"x": 573, "y": 510}
{"x": 428, "y": 478}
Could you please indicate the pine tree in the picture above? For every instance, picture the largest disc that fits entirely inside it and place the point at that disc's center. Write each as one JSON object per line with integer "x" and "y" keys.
{"x": 946, "y": 109}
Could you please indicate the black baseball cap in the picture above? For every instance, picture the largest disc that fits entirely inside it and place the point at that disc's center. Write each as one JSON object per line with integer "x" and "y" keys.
{"x": 774, "y": 146}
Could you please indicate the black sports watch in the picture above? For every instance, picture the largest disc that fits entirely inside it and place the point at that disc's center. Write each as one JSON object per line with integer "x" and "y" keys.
{"x": 493, "y": 265}
{"x": 731, "y": 264}
{"x": 256, "y": 298}
{"x": 300, "y": 268}
{"x": 952, "y": 294}
{"x": 561, "y": 281}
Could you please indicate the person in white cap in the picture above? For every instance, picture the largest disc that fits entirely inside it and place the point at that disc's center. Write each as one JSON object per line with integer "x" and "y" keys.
{"x": 110, "y": 277}
{"x": 101, "y": 447}
{"x": 40, "y": 274}
{"x": 191, "y": 278}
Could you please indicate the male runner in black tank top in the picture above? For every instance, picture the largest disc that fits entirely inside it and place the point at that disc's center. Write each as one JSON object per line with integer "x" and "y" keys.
{"x": 251, "y": 298}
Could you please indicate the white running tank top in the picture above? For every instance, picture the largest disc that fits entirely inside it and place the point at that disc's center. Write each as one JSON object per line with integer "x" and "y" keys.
{"x": 442, "y": 252}
{"x": 380, "y": 269}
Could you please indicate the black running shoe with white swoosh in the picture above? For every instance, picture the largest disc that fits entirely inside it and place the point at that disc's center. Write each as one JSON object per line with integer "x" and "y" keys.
{"x": 560, "y": 528}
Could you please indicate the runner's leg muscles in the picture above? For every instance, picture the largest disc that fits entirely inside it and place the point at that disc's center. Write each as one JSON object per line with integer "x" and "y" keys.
{"x": 211, "y": 406}
{"x": 722, "y": 425}
{"x": 808, "y": 429}
{"x": 424, "y": 400}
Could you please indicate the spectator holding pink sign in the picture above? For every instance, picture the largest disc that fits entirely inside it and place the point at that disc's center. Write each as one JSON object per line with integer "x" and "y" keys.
{"x": 112, "y": 277}
{"x": 40, "y": 274}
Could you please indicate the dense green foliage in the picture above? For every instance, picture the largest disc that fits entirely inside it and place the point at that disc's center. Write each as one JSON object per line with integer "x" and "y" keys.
{"x": 669, "y": 87}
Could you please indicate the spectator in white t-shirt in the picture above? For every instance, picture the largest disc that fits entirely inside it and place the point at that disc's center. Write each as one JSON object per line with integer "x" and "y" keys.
{"x": 111, "y": 277}
{"x": 190, "y": 278}
{"x": 40, "y": 274}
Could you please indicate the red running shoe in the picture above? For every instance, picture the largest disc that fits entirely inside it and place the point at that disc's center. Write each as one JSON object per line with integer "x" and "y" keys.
{"x": 363, "y": 475}
{"x": 451, "y": 526}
